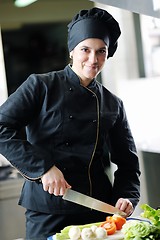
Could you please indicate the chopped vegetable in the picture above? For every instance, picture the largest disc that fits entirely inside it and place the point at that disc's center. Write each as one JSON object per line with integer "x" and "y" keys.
{"x": 87, "y": 234}
{"x": 109, "y": 225}
{"x": 100, "y": 233}
{"x": 63, "y": 235}
{"x": 119, "y": 221}
{"x": 113, "y": 223}
{"x": 147, "y": 230}
{"x": 74, "y": 233}
{"x": 135, "y": 229}
{"x": 152, "y": 214}
{"x": 94, "y": 227}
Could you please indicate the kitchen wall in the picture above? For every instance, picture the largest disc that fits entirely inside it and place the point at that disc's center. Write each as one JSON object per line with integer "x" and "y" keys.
{"x": 42, "y": 11}
{"x": 147, "y": 7}
{"x": 122, "y": 76}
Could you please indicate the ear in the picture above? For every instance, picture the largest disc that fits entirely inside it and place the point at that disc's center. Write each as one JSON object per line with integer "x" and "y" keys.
{"x": 71, "y": 55}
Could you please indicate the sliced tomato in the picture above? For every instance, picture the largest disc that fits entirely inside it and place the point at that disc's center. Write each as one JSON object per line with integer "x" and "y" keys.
{"x": 119, "y": 221}
{"x": 110, "y": 226}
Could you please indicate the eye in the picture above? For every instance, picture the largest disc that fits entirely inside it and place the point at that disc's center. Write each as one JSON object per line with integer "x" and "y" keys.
{"x": 102, "y": 51}
{"x": 84, "y": 49}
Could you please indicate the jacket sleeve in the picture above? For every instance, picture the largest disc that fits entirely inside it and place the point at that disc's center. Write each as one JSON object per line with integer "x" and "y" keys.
{"x": 123, "y": 154}
{"x": 16, "y": 113}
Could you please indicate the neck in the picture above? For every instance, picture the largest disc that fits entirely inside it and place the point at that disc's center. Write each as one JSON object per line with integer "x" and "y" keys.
{"x": 85, "y": 82}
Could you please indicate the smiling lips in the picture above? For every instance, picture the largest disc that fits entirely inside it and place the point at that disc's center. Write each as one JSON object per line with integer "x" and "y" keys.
{"x": 95, "y": 66}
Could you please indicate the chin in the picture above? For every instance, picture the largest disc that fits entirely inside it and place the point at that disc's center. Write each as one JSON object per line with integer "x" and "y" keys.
{"x": 93, "y": 74}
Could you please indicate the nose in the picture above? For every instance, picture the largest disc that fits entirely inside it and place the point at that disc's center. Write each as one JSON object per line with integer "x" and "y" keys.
{"x": 93, "y": 57}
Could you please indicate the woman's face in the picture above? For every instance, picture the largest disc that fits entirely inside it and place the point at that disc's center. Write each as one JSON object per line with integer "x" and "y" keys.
{"x": 88, "y": 58}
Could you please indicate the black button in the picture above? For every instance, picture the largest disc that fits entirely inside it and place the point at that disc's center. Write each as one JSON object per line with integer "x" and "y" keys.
{"x": 67, "y": 143}
{"x": 70, "y": 89}
{"x": 94, "y": 121}
{"x": 70, "y": 116}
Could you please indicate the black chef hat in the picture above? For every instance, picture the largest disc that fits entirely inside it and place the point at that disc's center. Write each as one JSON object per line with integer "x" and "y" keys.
{"x": 94, "y": 23}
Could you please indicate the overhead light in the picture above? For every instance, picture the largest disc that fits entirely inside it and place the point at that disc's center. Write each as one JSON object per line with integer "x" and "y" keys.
{"x": 23, "y": 3}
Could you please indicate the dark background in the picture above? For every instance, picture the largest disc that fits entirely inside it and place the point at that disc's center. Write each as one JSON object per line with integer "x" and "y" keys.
{"x": 33, "y": 48}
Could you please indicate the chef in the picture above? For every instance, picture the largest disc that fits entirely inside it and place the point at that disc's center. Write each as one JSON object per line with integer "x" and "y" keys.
{"x": 74, "y": 128}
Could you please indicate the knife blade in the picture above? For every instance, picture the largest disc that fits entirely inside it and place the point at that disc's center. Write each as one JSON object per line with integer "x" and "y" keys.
{"x": 92, "y": 203}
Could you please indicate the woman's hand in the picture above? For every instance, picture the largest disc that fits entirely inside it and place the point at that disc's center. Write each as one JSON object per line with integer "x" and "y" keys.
{"x": 125, "y": 205}
{"x": 54, "y": 182}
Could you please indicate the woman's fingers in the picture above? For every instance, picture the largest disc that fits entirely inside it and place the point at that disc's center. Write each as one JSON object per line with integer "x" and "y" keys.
{"x": 53, "y": 181}
{"x": 125, "y": 205}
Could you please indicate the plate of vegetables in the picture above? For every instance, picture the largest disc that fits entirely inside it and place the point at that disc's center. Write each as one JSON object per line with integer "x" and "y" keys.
{"x": 109, "y": 229}
{"x": 145, "y": 227}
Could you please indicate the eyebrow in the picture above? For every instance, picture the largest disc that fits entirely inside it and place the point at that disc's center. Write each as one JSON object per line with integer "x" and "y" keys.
{"x": 84, "y": 46}
{"x": 103, "y": 48}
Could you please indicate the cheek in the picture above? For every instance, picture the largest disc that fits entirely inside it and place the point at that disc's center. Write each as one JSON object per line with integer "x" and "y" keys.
{"x": 102, "y": 61}
{"x": 79, "y": 56}
{"x": 79, "y": 60}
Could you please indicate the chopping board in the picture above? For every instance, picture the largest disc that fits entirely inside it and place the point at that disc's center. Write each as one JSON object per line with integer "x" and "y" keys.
{"x": 116, "y": 236}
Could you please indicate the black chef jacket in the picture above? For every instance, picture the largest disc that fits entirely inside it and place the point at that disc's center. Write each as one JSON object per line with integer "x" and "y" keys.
{"x": 72, "y": 127}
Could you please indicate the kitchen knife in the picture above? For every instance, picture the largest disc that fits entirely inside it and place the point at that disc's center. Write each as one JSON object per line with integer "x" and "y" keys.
{"x": 84, "y": 200}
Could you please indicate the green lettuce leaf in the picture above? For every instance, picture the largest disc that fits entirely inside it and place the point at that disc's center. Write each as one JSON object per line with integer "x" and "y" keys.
{"x": 152, "y": 214}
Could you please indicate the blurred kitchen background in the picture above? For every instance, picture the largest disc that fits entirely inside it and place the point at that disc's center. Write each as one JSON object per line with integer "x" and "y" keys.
{"x": 34, "y": 39}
